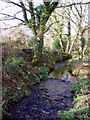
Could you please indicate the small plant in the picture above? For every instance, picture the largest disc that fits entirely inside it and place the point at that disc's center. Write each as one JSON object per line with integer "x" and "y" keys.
{"x": 66, "y": 115}
{"x": 73, "y": 114}
{"x": 43, "y": 74}
{"x": 5, "y": 90}
{"x": 27, "y": 93}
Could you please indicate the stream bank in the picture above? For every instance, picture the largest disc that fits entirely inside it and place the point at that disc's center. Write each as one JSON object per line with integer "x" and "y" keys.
{"x": 47, "y": 98}
{"x": 80, "y": 89}
{"x": 19, "y": 75}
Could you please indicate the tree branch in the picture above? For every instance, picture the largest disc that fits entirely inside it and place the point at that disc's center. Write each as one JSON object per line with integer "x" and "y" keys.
{"x": 24, "y": 12}
{"x": 72, "y": 4}
{"x": 12, "y": 17}
{"x": 32, "y": 17}
{"x": 8, "y": 1}
{"x": 48, "y": 28}
{"x": 77, "y": 11}
{"x": 47, "y": 12}
{"x": 17, "y": 4}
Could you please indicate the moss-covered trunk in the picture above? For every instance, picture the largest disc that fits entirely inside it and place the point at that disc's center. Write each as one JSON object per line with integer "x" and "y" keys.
{"x": 40, "y": 42}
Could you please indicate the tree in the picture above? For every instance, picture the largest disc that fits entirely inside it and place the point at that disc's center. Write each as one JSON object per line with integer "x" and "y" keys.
{"x": 59, "y": 28}
{"x": 61, "y": 20}
{"x": 69, "y": 30}
{"x": 36, "y": 18}
{"x": 74, "y": 16}
{"x": 37, "y": 21}
{"x": 81, "y": 28}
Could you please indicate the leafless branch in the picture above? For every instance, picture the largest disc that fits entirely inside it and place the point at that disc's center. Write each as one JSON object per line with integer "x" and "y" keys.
{"x": 48, "y": 27}
{"x": 17, "y": 13}
{"x": 9, "y": 1}
{"x": 66, "y": 17}
{"x": 77, "y": 10}
{"x": 17, "y": 4}
{"x": 72, "y": 4}
{"x": 16, "y": 27}
{"x": 24, "y": 11}
{"x": 11, "y": 27}
{"x": 12, "y": 17}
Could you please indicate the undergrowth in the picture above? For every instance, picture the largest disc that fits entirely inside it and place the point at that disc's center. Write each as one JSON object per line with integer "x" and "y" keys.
{"x": 18, "y": 73}
{"x": 80, "y": 89}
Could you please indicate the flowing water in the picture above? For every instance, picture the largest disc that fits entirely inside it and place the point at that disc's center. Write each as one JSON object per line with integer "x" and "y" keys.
{"x": 47, "y": 97}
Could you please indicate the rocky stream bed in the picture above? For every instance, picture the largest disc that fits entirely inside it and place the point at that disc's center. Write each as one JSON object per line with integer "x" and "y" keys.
{"x": 47, "y": 97}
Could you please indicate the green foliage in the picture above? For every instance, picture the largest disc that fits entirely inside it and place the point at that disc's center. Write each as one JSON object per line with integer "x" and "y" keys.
{"x": 80, "y": 86}
{"x": 56, "y": 43}
{"x": 66, "y": 115}
{"x": 43, "y": 74}
{"x": 81, "y": 104}
{"x": 75, "y": 54}
{"x": 16, "y": 67}
{"x": 73, "y": 114}
{"x": 64, "y": 40}
{"x": 5, "y": 90}
{"x": 74, "y": 88}
{"x": 31, "y": 42}
{"x": 21, "y": 94}
{"x": 37, "y": 78}
{"x": 17, "y": 74}
{"x": 27, "y": 93}
{"x": 83, "y": 41}
{"x": 34, "y": 61}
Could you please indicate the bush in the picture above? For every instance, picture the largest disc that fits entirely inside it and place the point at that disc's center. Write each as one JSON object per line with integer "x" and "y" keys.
{"x": 16, "y": 67}
{"x": 43, "y": 74}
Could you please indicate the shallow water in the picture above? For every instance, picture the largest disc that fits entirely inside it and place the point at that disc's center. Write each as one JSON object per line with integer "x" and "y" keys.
{"x": 61, "y": 71}
{"x": 47, "y": 97}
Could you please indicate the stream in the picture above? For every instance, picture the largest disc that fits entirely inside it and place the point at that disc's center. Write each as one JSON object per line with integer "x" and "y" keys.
{"x": 47, "y": 97}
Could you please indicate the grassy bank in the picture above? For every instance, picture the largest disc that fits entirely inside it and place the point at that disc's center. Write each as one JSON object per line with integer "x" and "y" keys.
{"x": 80, "y": 111}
